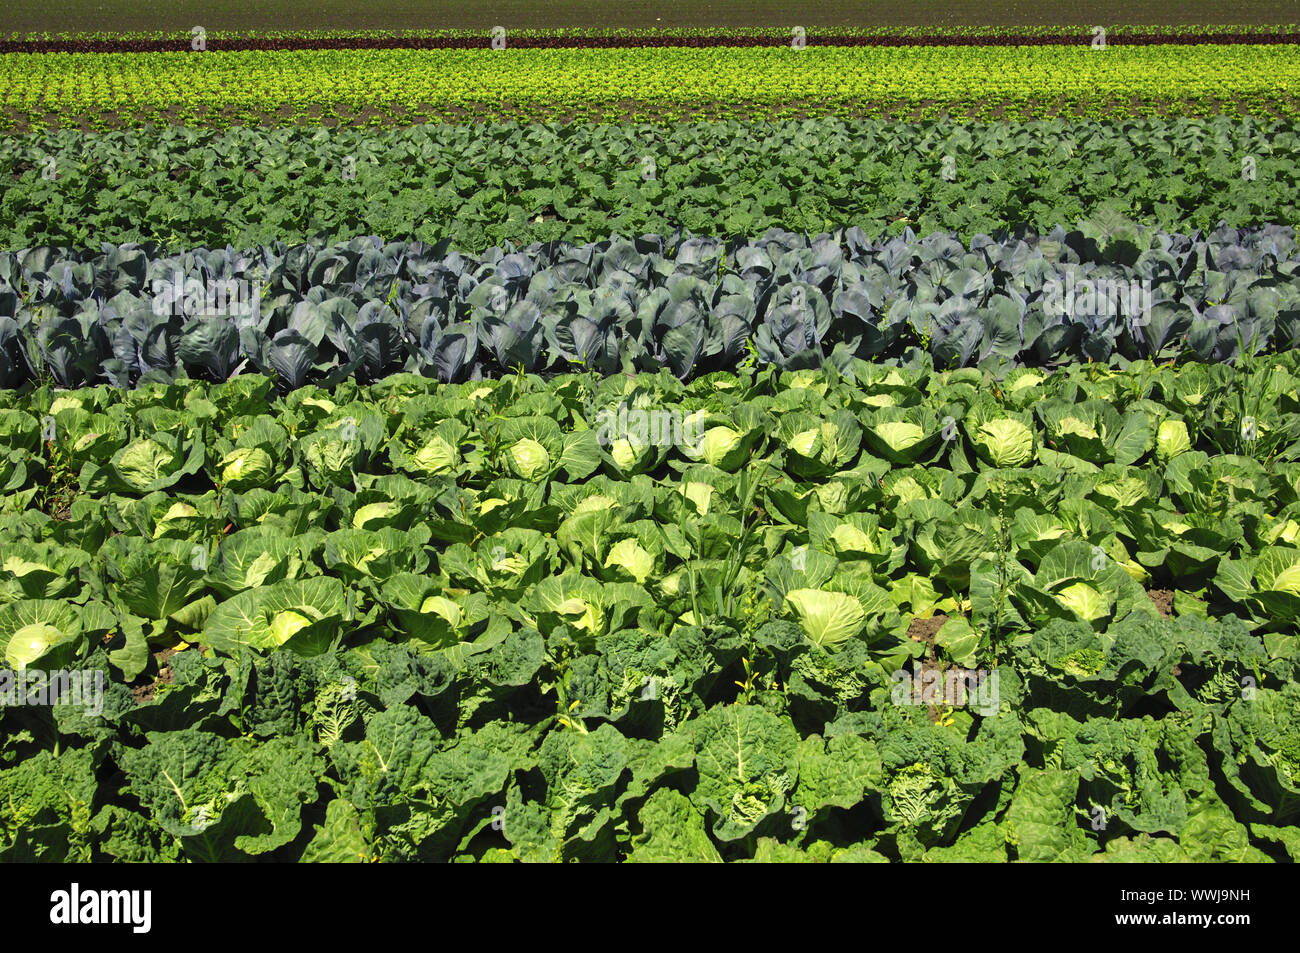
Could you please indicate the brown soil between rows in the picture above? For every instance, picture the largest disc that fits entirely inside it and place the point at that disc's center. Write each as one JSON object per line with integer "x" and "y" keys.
{"x": 145, "y": 692}
{"x": 389, "y": 115}
{"x": 925, "y": 630}
{"x": 776, "y": 39}
{"x": 1164, "y": 601}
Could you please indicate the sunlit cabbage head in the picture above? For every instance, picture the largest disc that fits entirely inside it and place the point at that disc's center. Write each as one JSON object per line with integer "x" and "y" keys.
{"x": 377, "y": 514}
{"x": 1022, "y": 378}
{"x": 246, "y": 468}
{"x": 850, "y": 539}
{"x": 285, "y": 624}
{"x": 31, "y": 642}
{"x": 320, "y": 404}
{"x": 66, "y": 402}
{"x": 1084, "y": 601}
{"x": 180, "y": 518}
{"x": 1282, "y": 531}
{"x": 833, "y": 496}
{"x": 331, "y": 456}
{"x": 697, "y": 493}
{"x": 1073, "y": 426}
{"x": 1005, "y": 441}
{"x": 1125, "y": 491}
{"x": 436, "y": 456}
{"x": 529, "y": 459}
{"x": 444, "y": 607}
{"x": 629, "y": 556}
{"x": 808, "y": 443}
{"x": 720, "y": 447}
{"x": 1277, "y": 569}
{"x": 143, "y": 462}
{"x": 91, "y": 444}
{"x": 594, "y": 503}
{"x": 807, "y": 380}
{"x": 628, "y": 455}
{"x": 827, "y": 618}
{"x": 582, "y": 615}
{"x": 900, "y": 436}
{"x": 1171, "y": 440}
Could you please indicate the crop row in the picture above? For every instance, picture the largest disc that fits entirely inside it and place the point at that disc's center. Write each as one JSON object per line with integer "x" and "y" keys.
{"x": 480, "y": 185}
{"x": 888, "y": 614}
{"x": 79, "y": 16}
{"x": 603, "y": 38}
{"x": 1044, "y": 31}
{"x": 384, "y": 87}
{"x": 1112, "y": 291}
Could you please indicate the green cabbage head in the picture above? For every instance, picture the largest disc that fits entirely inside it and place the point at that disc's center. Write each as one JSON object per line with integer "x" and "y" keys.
{"x": 827, "y": 618}
{"x": 721, "y": 446}
{"x": 1171, "y": 440}
{"x": 1005, "y": 442}
{"x": 435, "y": 456}
{"x": 530, "y": 459}
{"x": 246, "y": 468}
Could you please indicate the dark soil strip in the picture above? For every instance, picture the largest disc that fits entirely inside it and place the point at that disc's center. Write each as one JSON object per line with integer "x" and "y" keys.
{"x": 341, "y": 115}
{"x": 630, "y": 41}
{"x": 924, "y": 630}
{"x": 82, "y": 16}
{"x": 1163, "y": 600}
{"x": 145, "y": 688}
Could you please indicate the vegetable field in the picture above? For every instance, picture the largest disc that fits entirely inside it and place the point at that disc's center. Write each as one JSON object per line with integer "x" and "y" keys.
{"x": 481, "y": 186}
{"x": 382, "y": 87}
{"x": 650, "y": 443}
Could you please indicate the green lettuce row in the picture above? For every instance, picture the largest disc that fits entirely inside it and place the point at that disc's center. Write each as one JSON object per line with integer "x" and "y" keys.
{"x": 482, "y": 185}
{"x": 634, "y": 619}
{"x": 665, "y": 84}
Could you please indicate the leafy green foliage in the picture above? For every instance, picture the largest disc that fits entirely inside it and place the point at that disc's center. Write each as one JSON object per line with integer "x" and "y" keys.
{"x": 367, "y": 655}
{"x": 480, "y": 186}
{"x": 665, "y": 83}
